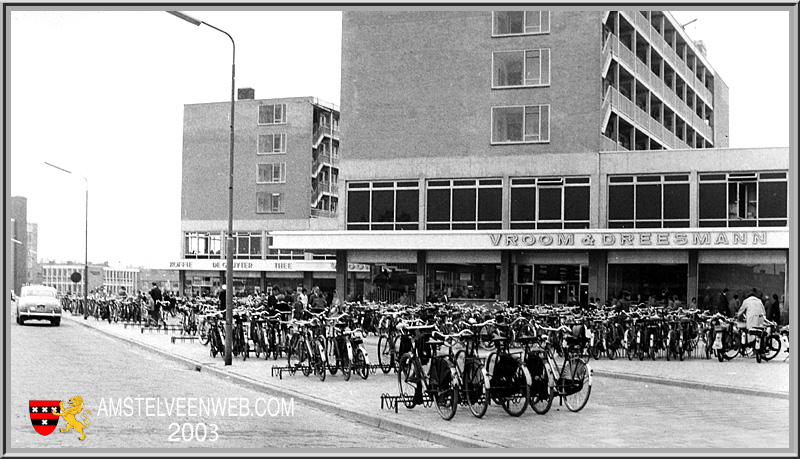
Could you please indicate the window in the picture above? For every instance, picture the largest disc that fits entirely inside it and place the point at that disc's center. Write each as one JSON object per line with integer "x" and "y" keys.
{"x": 202, "y": 245}
{"x": 746, "y": 199}
{"x": 248, "y": 245}
{"x": 383, "y": 205}
{"x": 648, "y": 201}
{"x": 271, "y": 173}
{"x": 520, "y": 22}
{"x": 272, "y": 114}
{"x": 271, "y": 143}
{"x": 283, "y": 254}
{"x": 550, "y": 203}
{"x": 521, "y": 68}
{"x": 522, "y": 124}
{"x": 269, "y": 203}
{"x": 464, "y": 204}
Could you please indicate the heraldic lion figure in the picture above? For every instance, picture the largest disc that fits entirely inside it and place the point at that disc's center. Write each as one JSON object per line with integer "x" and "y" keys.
{"x": 76, "y": 405}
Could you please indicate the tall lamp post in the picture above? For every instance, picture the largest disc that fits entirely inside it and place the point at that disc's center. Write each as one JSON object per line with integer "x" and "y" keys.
{"x": 229, "y": 238}
{"x": 85, "y": 245}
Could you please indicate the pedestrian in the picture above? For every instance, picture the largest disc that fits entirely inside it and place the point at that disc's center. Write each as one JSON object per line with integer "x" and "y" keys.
{"x": 223, "y": 300}
{"x": 301, "y": 296}
{"x": 733, "y": 305}
{"x": 317, "y": 300}
{"x": 272, "y": 298}
{"x": 774, "y": 309}
{"x": 706, "y": 304}
{"x": 675, "y": 302}
{"x": 155, "y": 294}
{"x": 753, "y": 311}
{"x": 336, "y": 304}
{"x": 722, "y": 303}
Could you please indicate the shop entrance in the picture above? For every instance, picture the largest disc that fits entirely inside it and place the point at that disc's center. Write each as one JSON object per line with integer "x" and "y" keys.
{"x": 554, "y": 292}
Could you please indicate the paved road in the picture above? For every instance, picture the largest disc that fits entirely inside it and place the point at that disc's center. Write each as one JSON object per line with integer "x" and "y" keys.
{"x": 620, "y": 413}
{"x": 57, "y": 363}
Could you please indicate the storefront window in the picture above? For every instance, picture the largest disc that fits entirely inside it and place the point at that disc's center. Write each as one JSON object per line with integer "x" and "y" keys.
{"x": 202, "y": 245}
{"x": 743, "y": 199}
{"x": 550, "y": 203}
{"x": 643, "y": 280}
{"x": 739, "y": 279}
{"x": 648, "y": 201}
{"x": 464, "y": 204}
{"x": 479, "y": 281}
{"x": 383, "y": 205}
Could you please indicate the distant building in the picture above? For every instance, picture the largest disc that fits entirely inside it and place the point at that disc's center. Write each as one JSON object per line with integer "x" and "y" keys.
{"x": 286, "y": 178}
{"x": 35, "y": 275}
{"x": 19, "y": 238}
{"x": 101, "y": 277}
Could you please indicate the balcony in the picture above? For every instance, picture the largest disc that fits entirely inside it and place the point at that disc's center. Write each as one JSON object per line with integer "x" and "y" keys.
{"x": 321, "y": 159}
{"x": 322, "y": 213}
{"x": 322, "y": 130}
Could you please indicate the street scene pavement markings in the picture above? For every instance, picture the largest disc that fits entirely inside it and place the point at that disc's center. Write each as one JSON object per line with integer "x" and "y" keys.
{"x": 619, "y": 412}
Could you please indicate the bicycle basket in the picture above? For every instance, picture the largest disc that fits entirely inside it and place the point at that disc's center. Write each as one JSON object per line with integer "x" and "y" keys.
{"x": 570, "y": 386}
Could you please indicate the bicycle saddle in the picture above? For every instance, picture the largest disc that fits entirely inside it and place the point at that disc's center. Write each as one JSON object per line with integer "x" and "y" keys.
{"x": 528, "y": 339}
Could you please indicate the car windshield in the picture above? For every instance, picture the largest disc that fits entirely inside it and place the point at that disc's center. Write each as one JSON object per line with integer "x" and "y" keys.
{"x": 39, "y": 292}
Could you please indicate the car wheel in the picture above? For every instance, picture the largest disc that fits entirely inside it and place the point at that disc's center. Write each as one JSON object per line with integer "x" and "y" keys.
{"x": 56, "y": 322}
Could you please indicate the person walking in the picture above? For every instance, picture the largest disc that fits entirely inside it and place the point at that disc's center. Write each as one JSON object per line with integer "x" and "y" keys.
{"x": 773, "y": 309}
{"x": 155, "y": 294}
{"x": 733, "y": 306}
{"x": 223, "y": 298}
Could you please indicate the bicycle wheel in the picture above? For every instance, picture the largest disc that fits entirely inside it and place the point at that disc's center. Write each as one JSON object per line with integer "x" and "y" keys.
{"x": 245, "y": 346}
{"x": 577, "y": 384}
{"x": 445, "y": 390}
{"x": 255, "y": 333}
{"x": 409, "y": 379}
{"x": 516, "y": 402}
{"x": 203, "y": 332}
{"x": 344, "y": 362}
{"x": 293, "y": 349}
{"x": 630, "y": 343}
{"x": 730, "y": 346}
{"x": 491, "y": 362}
{"x": 385, "y": 354}
{"x": 475, "y": 387}
{"x": 541, "y": 394}
{"x": 361, "y": 363}
{"x": 319, "y": 358}
{"x": 773, "y": 346}
{"x": 333, "y": 362}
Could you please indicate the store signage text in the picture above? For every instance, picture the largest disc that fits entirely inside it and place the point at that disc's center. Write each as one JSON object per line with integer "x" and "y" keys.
{"x": 703, "y": 238}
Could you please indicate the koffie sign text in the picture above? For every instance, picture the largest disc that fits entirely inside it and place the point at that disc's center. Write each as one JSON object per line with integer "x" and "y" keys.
{"x": 633, "y": 240}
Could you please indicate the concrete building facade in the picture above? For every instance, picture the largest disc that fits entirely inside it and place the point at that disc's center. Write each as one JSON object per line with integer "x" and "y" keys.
{"x": 286, "y": 178}
{"x": 531, "y": 156}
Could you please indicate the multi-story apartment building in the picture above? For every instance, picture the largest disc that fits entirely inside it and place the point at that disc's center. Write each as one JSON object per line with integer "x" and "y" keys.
{"x": 286, "y": 177}
{"x": 35, "y": 275}
{"x": 533, "y": 155}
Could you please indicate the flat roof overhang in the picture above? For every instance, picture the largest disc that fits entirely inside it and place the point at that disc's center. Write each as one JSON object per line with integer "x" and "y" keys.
{"x": 587, "y": 239}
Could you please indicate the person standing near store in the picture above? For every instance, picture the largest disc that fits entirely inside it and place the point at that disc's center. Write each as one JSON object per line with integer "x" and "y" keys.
{"x": 722, "y": 303}
{"x": 753, "y": 310}
{"x": 773, "y": 309}
{"x": 155, "y": 294}
{"x": 734, "y": 305}
{"x": 222, "y": 298}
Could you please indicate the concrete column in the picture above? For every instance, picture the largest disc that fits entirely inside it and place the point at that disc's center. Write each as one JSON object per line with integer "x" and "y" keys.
{"x": 692, "y": 277}
{"x": 422, "y": 290}
{"x": 181, "y": 283}
{"x": 263, "y": 281}
{"x": 506, "y": 203}
{"x": 308, "y": 280}
{"x": 505, "y": 275}
{"x": 598, "y": 271}
{"x": 341, "y": 274}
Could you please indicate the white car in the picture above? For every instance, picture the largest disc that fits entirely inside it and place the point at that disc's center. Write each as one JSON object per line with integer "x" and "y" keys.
{"x": 38, "y": 302}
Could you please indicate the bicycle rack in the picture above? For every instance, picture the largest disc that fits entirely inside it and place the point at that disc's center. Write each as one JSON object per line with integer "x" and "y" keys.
{"x": 183, "y": 338}
{"x": 394, "y": 401}
{"x": 291, "y": 370}
{"x": 165, "y": 329}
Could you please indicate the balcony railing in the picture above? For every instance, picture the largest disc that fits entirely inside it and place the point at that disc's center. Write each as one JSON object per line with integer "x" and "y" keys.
{"x": 322, "y": 213}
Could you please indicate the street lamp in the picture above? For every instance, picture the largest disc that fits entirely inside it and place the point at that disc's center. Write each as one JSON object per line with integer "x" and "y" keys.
{"x": 229, "y": 239}
{"x": 85, "y": 245}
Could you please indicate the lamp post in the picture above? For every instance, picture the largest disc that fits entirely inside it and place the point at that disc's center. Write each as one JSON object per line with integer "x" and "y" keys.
{"x": 229, "y": 238}
{"x": 85, "y": 244}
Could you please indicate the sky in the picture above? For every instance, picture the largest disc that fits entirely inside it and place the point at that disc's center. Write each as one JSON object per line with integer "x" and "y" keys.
{"x": 101, "y": 94}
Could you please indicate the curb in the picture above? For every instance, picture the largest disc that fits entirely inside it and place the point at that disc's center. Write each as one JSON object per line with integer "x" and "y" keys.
{"x": 398, "y": 427}
{"x": 691, "y": 384}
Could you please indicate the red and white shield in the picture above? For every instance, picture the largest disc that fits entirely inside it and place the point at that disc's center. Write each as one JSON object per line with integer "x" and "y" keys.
{"x": 43, "y": 415}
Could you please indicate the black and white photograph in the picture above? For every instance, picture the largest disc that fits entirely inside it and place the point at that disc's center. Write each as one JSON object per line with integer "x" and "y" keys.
{"x": 411, "y": 229}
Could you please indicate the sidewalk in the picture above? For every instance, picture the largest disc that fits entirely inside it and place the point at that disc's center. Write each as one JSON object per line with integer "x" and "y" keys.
{"x": 360, "y": 399}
